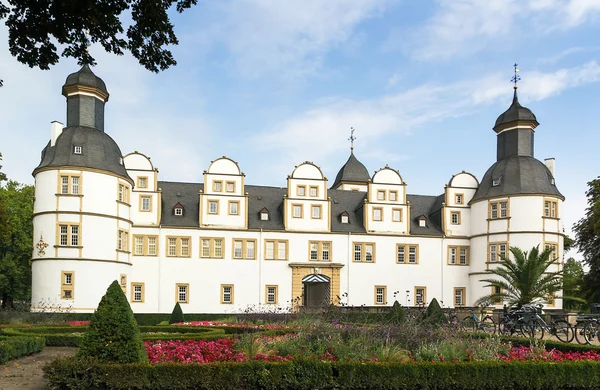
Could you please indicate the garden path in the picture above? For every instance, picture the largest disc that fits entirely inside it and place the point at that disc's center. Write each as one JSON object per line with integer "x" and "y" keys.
{"x": 26, "y": 372}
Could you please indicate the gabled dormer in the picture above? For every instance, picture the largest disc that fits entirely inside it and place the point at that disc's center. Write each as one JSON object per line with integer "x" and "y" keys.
{"x": 178, "y": 210}
{"x": 456, "y": 212}
{"x": 223, "y": 202}
{"x": 386, "y": 208}
{"x": 344, "y": 217}
{"x": 145, "y": 197}
{"x": 306, "y": 205}
{"x": 264, "y": 214}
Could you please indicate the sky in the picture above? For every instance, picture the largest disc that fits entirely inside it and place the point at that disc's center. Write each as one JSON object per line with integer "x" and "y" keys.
{"x": 273, "y": 83}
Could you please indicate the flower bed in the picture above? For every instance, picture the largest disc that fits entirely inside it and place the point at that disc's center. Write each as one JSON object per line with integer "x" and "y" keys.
{"x": 235, "y": 325}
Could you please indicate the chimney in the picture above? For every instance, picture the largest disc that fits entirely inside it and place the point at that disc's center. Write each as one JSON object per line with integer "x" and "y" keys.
{"x": 56, "y": 129}
{"x": 550, "y": 164}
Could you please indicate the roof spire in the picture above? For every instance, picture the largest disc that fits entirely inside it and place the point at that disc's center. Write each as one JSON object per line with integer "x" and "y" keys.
{"x": 351, "y": 139}
{"x": 516, "y": 78}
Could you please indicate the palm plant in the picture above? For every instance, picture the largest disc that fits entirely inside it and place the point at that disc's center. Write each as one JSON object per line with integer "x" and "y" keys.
{"x": 524, "y": 278}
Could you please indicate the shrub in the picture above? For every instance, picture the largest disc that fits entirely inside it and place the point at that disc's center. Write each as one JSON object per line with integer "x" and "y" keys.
{"x": 396, "y": 315}
{"x": 434, "y": 314}
{"x": 113, "y": 336}
{"x": 176, "y": 315}
{"x": 15, "y": 347}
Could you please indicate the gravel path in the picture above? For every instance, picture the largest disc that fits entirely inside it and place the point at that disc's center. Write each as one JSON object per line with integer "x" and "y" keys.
{"x": 26, "y": 372}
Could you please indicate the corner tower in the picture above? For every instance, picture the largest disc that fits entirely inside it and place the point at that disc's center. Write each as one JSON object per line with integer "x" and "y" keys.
{"x": 81, "y": 219}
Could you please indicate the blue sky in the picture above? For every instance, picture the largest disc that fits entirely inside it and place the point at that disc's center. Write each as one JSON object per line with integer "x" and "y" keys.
{"x": 273, "y": 83}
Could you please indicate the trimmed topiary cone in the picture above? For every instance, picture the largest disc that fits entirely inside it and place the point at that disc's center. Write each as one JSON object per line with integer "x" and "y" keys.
{"x": 434, "y": 314}
{"x": 114, "y": 336}
{"x": 396, "y": 315}
{"x": 176, "y": 315}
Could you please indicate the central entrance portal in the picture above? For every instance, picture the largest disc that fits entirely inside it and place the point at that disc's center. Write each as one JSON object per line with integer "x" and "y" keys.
{"x": 317, "y": 291}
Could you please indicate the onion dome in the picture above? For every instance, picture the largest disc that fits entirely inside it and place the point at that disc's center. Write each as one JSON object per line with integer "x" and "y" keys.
{"x": 86, "y": 78}
{"x": 516, "y": 112}
{"x": 353, "y": 171}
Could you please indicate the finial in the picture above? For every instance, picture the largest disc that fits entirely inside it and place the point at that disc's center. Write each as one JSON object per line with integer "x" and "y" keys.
{"x": 351, "y": 139}
{"x": 516, "y": 78}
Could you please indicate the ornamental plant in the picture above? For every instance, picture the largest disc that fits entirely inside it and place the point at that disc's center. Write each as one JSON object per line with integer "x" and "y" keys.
{"x": 396, "y": 315}
{"x": 113, "y": 336}
{"x": 176, "y": 315}
{"x": 434, "y": 314}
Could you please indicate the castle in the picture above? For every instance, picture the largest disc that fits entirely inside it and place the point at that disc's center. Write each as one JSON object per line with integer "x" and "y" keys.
{"x": 222, "y": 245}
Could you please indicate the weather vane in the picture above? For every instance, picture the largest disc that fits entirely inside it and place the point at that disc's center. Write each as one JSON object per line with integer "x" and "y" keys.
{"x": 516, "y": 78}
{"x": 352, "y": 138}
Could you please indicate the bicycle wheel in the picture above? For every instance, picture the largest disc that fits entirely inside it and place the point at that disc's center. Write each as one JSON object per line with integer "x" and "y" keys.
{"x": 534, "y": 329}
{"x": 468, "y": 324}
{"x": 505, "y": 328}
{"x": 488, "y": 325}
{"x": 590, "y": 332}
{"x": 579, "y": 332}
{"x": 563, "y": 331}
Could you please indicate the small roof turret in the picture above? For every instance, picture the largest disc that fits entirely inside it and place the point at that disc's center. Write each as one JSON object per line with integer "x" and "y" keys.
{"x": 516, "y": 112}
{"x": 86, "y": 78}
{"x": 353, "y": 171}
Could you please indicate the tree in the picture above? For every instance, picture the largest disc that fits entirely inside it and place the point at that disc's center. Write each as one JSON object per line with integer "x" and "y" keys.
{"x": 587, "y": 239}
{"x": 176, "y": 315}
{"x": 16, "y": 242}
{"x": 524, "y": 278}
{"x": 34, "y": 26}
{"x": 573, "y": 279}
{"x": 114, "y": 336}
{"x": 2, "y": 175}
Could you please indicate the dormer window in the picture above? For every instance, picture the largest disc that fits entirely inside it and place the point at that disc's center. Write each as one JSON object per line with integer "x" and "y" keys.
{"x": 121, "y": 160}
{"x": 264, "y": 214}
{"x": 422, "y": 221}
{"x": 178, "y": 211}
{"x": 496, "y": 182}
{"x": 77, "y": 149}
{"x": 344, "y": 217}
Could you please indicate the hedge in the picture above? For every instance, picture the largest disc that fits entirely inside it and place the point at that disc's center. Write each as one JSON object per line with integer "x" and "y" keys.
{"x": 311, "y": 374}
{"x": 14, "y": 347}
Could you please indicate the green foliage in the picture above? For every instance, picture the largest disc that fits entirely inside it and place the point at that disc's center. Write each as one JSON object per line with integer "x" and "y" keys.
{"x": 176, "y": 315}
{"x": 311, "y": 374}
{"x": 16, "y": 242}
{"x": 2, "y": 175}
{"x": 434, "y": 315}
{"x": 15, "y": 347}
{"x": 396, "y": 315}
{"x": 156, "y": 318}
{"x": 573, "y": 280}
{"x": 524, "y": 278}
{"x": 113, "y": 336}
{"x": 587, "y": 239}
{"x": 34, "y": 29}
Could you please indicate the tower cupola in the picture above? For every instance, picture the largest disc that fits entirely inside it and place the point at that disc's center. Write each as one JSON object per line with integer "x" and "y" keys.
{"x": 86, "y": 95}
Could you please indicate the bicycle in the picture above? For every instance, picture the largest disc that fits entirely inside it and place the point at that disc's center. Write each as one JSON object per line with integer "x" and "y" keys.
{"x": 591, "y": 330}
{"x": 536, "y": 327}
{"x": 579, "y": 328}
{"x": 453, "y": 320}
{"x": 485, "y": 323}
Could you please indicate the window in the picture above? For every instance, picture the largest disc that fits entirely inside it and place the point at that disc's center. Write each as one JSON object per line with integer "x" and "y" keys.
{"x": 459, "y": 296}
{"x": 69, "y": 185}
{"x": 380, "y": 194}
{"x": 498, "y": 210}
{"x": 344, "y": 218}
{"x": 377, "y": 214}
{"x": 458, "y": 255}
{"x": 407, "y": 254}
{"x": 213, "y": 207}
{"x": 217, "y": 186}
{"x": 264, "y": 216}
{"x": 364, "y": 252}
{"x": 138, "y": 245}
{"x": 137, "y": 292}
{"x": 420, "y": 295}
{"x": 553, "y": 250}
{"x": 145, "y": 203}
{"x": 178, "y": 246}
{"x": 276, "y": 250}
{"x": 320, "y": 250}
{"x": 315, "y": 212}
{"x": 230, "y": 186}
{"x": 397, "y": 215}
{"x": 301, "y": 190}
{"x": 314, "y": 191}
{"x": 496, "y": 290}
{"x": 211, "y": 247}
{"x": 380, "y": 295}
{"x": 78, "y": 149}
{"x": 234, "y": 207}
{"x": 455, "y": 217}
{"x": 142, "y": 182}
{"x": 227, "y": 293}
{"x": 244, "y": 249}
{"x": 550, "y": 298}
{"x": 550, "y": 209}
{"x": 459, "y": 198}
{"x": 182, "y": 293}
{"x": 393, "y": 196}
{"x": 496, "y": 182}
{"x": 67, "y": 284}
{"x": 497, "y": 251}
{"x": 297, "y": 211}
{"x": 123, "y": 193}
{"x": 123, "y": 241}
{"x": 68, "y": 235}
{"x": 271, "y": 295}
{"x": 422, "y": 222}
{"x": 178, "y": 211}
{"x": 152, "y": 248}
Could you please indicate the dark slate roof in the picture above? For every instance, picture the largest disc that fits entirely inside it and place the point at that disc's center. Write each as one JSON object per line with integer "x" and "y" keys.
{"x": 85, "y": 76}
{"x": 353, "y": 170}
{"x": 516, "y": 112}
{"x": 271, "y": 198}
{"x": 424, "y": 205}
{"x": 518, "y": 175}
{"x": 100, "y": 151}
